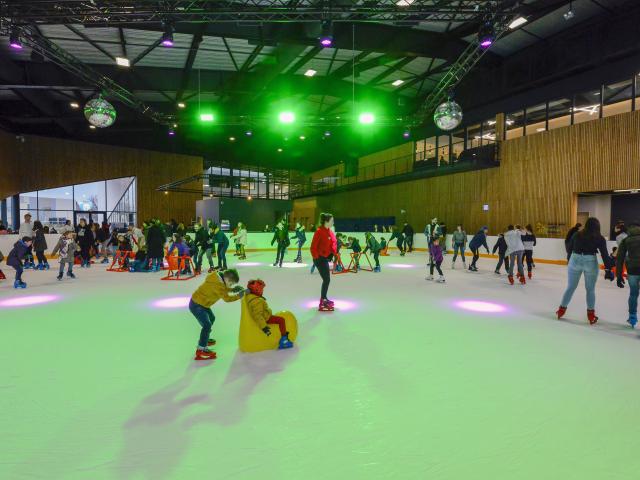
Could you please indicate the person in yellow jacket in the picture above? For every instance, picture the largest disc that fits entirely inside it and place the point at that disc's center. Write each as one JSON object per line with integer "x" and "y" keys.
{"x": 262, "y": 315}
{"x": 217, "y": 286}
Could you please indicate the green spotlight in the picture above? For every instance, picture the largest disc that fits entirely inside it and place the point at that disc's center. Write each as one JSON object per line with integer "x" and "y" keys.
{"x": 366, "y": 118}
{"x": 287, "y": 117}
{"x": 206, "y": 117}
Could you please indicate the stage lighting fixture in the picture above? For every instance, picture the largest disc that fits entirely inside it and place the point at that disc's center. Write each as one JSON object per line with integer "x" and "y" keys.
{"x": 406, "y": 134}
{"x": 517, "y": 22}
{"x": 171, "y": 132}
{"x": 279, "y": 150}
{"x": 123, "y": 62}
{"x": 206, "y": 117}
{"x": 14, "y": 38}
{"x": 167, "y": 35}
{"x": 92, "y": 127}
{"x": 366, "y": 118}
{"x": 326, "y": 37}
{"x": 287, "y": 117}
{"x": 302, "y": 137}
{"x": 486, "y": 35}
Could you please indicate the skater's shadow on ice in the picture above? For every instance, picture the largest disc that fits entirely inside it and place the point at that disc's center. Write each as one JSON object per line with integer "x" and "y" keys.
{"x": 248, "y": 370}
{"x": 604, "y": 326}
{"x": 154, "y": 439}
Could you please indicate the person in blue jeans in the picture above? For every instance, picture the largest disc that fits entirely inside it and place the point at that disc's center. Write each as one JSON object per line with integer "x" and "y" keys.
{"x": 629, "y": 253}
{"x": 223, "y": 243}
{"x": 583, "y": 248}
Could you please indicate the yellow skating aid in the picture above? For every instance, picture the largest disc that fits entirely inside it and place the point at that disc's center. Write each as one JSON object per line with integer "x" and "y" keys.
{"x": 252, "y": 339}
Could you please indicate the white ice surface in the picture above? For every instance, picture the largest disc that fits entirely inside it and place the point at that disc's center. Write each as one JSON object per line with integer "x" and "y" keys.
{"x": 101, "y": 385}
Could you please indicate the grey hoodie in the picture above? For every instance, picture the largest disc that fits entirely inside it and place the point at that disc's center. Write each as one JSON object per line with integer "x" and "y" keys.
{"x": 514, "y": 241}
{"x": 67, "y": 247}
{"x": 459, "y": 237}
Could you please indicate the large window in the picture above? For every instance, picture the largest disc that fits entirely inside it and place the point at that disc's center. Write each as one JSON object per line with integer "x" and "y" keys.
{"x": 617, "y": 98}
{"x": 559, "y": 113}
{"x": 113, "y": 201}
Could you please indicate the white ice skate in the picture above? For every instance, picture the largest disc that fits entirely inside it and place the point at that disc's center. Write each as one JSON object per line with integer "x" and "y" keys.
{"x": 440, "y": 279}
{"x": 430, "y": 277}
{"x": 453, "y": 265}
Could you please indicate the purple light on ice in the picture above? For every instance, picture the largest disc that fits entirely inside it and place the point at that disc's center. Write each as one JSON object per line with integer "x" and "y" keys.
{"x": 248, "y": 264}
{"x": 28, "y": 301}
{"x": 481, "y": 307}
{"x": 400, "y": 265}
{"x": 342, "y": 305}
{"x": 171, "y": 302}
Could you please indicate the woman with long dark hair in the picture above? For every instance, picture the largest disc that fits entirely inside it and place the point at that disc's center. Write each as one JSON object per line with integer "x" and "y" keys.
{"x": 583, "y": 248}
{"x": 323, "y": 249}
{"x": 572, "y": 231}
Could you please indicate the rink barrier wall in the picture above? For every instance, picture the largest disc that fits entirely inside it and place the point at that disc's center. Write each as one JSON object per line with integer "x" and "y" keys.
{"x": 547, "y": 250}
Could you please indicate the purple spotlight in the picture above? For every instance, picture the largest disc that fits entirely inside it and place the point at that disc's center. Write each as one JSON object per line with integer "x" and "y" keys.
{"x": 28, "y": 301}
{"x": 486, "y": 43}
{"x": 171, "y": 132}
{"x": 326, "y": 42}
{"x": 171, "y": 302}
{"x": 168, "y": 42}
{"x": 400, "y": 265}
{"x": 14, "y": 39}
{"x": 15, "y": 45}
{"x": 480, "y": 306}
{"x": 342, "y": 305}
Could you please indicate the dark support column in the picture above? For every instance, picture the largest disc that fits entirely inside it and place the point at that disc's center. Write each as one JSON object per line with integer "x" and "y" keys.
{"x": 546, "y": 116}
{"x": 15, "y": 212}
{"x": 573, "y": 108}
{"x": 601, "y": 114}
{"x": 3, "y": 211}
{"x": 633, "y": 93}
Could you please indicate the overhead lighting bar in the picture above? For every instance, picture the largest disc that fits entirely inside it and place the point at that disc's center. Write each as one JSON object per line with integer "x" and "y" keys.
{"x": 310, "y": 73}
{"x": 517, "y": 22}
{"x": 123, "y": 62}
{"x": 630, "y": 190}
{"x": 74, "y": 105}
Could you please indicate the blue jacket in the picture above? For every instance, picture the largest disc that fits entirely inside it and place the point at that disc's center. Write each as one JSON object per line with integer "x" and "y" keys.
{"x": 301, "y": 237}
{"x": 221, "y": 239}
{"x": 479, "y": 240}
{"x": 17, "y": 253}
{"x": 183, "y": 249}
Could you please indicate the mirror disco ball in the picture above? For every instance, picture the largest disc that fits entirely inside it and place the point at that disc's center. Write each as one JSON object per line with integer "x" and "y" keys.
{"x": 100, "y": 113}
{"x": 448, "y": 115}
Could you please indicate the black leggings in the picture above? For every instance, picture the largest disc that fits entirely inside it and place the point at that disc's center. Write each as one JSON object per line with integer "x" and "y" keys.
{"x": 40, "y": 256}
{"x": 280, "y": 253}
{"x": 528, "y": 255}
{"x": 376, "y": 258}
{"x": 437, "y": 267}
{"x": 476, "y": 255}
{"x": 322, "y": 264}
{"x": 85, "y": 252}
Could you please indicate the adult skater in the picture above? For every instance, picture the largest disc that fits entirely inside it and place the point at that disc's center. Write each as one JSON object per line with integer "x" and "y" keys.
{"x": 300, "y": 238}
{"x": 515, "y": 251}
{"x": 583, "y": 248}
{"x": 501, "y": 247}
{"x": 323, "y": 249}
{"x": 201, "y": 240}
{"x": 572, "y": 231}
{"x": 155, "y": 245}
{"x": 84, "y": 237}
{"x": 478, "y": 240}
{"x": 432, "y": 230}
{"x": 459, "y": 242}
{"x": 529, "y": 241}
{"x": 223, "y": 243}
{"x": 629, "y": 253}
{"x": 407, "y": 231}
{"x": 26, "y": 230}
{"x": 620, "y": 232}
{"x": 39, "y": 245}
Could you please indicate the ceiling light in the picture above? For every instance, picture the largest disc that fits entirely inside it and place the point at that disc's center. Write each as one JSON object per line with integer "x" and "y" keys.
{"x": 406, "y": 134}
{"x": 74, "y": 105}
{"x": 310, "y": 73}
{"x": 92, "y": 127}
{"x": 279, "y": 150}
{"x": 175, "y": 125}
{"x": 486, "y": 35}
{"x": 206, "y": 117}
{"x": 249, "y": 198}
{"x": 14, "y": 38}
{"x": 541, "y": 129}
{"x": 287, "y": 117}
{"x": 366, "y": 118}
{"x": 404, "y": 3}
{"x": 518, "y": 21}
{"x": 569, "y": 14}
{"x": 181, "y": 105}
{"x": 326, "y": 37}
{"x": 397, "y": 83}
{"x": 232, "y": 139}
{"x": 123, "y": 62}
{"x": 302, "y": 137}
{"x": 248, "y": 133}
{"x": 327, "y": 133}
{"x": 167, "y": 35}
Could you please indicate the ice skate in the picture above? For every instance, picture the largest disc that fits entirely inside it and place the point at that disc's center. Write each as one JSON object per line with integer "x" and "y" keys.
{"x": 325, "y": 306}
{"x": 429, "y": 277}
{"x": 2, "y": 276}
{"x": 560, "y": 312}
{"x": 440, "y": 279}
{"x": 530, "y": 275}
{"x": 330, "y": 302}
{"x": 205, "y": 354}
{"x": 70, "y": 275}
{"x": 59, "y": 277}
{"x": 211, "y": 342}
{"x": 497, "y": 272}
{"x": 40, "y": 266}
{"x": 19, "y": 284}
{"x": 591, "y": 316}
{"x": 632, "y": 320}
{"x": 377, "y": 269}
{"x": 105, "y": 260}
{"x": 522, "y": 280}
{"x": 511, "y": 279}
{"x": 284, "y": 342}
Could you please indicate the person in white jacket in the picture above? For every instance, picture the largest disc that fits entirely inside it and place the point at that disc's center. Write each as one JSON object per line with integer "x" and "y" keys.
{"x": 241, "y": 239}
{"x": 26, "y": 230}
{"x": 515, "y": 250}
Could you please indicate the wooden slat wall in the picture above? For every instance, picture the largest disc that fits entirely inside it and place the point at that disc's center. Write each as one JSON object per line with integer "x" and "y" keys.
{"x": 40, "y": 162}
{"x": 537, "y": 181}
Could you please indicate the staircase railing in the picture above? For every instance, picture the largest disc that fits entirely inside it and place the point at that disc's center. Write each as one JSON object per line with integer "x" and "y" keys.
{"x": 124, "y": 210}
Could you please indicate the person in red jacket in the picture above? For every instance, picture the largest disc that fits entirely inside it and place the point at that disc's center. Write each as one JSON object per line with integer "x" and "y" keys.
{"x": 323, "y": 249}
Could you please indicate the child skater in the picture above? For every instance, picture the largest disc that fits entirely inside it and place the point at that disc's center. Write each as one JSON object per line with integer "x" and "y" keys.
{"x": 14, "y": 259}
{"x": 374, "y": 247}
{"x": 217, "y": 286}
{"x": 180, "y": 249}
{"x": 40, "y": 245}
{"x": 529, "y": 241}
{"x": 400, "y": 242}
{"x": 240, "y": 239}
{"x": 501, "y": 247}
{"x": 300, "y": 238}
{"x": 354, "y": 244}
{"x": 261, "y": 313}
{"x": 67, "y": 247}
{"x": 435, "y": 259}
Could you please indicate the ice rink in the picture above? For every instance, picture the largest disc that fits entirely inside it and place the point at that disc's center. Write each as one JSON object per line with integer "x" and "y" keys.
{"x": 407, "y": 379}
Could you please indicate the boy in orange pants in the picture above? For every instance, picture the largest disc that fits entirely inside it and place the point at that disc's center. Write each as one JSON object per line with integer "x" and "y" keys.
{"x": 261, "y": 313}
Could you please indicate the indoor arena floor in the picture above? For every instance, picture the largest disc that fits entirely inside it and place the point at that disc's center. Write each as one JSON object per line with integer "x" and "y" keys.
{"x": 407, "y": 379}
